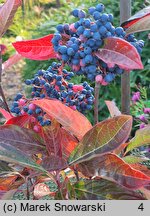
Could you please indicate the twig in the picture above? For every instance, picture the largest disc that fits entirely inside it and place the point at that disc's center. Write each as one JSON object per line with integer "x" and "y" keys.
{"x": 96, "y": 102}
{"x": 76, "y": 174}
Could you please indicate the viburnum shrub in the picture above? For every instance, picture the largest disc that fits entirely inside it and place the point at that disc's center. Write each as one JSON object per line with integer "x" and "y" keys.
{"x": 47, "y": 137}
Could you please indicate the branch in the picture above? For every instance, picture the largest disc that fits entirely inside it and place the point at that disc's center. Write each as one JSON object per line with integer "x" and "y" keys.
{"x": 96, "y": 102}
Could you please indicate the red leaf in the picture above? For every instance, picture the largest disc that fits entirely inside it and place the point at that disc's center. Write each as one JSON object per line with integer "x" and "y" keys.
{"x": 143, "y": 24}
{"x": 37, "y": 49}
{"x": 58, "y": 141}
{"x": 54, "y": 163}
{"x": 6, "y": 114}
{"x": 113, "y": 168}
{"x": 11, "y": 61}
{"x": 22, "y": 121}
{"x": 7, "y": 12}
{"x": 120, "y": 52}
{"x": 6, "y": 182}
{"x": 139, "y": 15}
{"x": 71, "y": 120}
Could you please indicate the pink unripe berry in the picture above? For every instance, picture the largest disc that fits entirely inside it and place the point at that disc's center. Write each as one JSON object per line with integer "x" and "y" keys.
{"x": 76, "y": 67}
{"x": 22, "y": 102}
{"x": 73, "y": 107}
{"x": 82, "y": 64}
{"x": 99, "y": 78}
{"x": 23, "y": 112}
{"x": 36, "y": 128}
{"x": 104, "y": 83}
{"x": 77, "y": 88}
{"x": 72, "y": 28}
{"x": 32, "y": 106}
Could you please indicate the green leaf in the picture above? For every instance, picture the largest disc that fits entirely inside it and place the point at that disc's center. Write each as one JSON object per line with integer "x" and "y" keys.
{"x": 103, "y": 137}
{"x": 104, "y": 190}
{"x": 131, "y": 159}
{"x": 142, "y": 137}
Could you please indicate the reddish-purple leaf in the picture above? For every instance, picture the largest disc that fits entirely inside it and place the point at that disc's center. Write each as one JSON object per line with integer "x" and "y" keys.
{"x": 58, "y": 141}
{"x": 120, "y": 52}
{"x": 103, "y": 137}
{"x": 22, "y": 121}
{"x": 113, "y": 109}
{"x": 143, "y": 24}
{"x": 37, "y": 49}
{"x": 6, "y": 114}
{"x": 11, "y": 61}
{"x": 135, "y": 18}
{"x": 23, "y": 139}
{"x": 71, "y": 120}
{"x": 6, "y": 182}
{"x": 7, "y": 12}
{"x": 54, "y": 163}
{"x": 113, "y": 168}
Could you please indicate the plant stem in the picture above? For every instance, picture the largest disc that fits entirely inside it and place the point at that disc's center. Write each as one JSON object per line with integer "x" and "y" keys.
{"x": 125, "y": 13}
{"x": 1, "y": 90}
{"x": 76, "y": 174}
{"x": 96, "y": 102}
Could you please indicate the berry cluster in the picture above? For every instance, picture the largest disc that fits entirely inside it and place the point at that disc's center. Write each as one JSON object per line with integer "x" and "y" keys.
{"x": 76, "y": 43}
{"x": 140, "y": 108}
{"x": 52, "y": 84}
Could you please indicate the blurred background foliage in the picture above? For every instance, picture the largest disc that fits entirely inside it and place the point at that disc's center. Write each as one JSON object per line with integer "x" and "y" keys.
{"x": 37, "y": 18}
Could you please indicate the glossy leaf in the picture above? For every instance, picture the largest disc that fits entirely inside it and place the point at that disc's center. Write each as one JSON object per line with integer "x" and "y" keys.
{"x": 103, "y": 137}
{"x": 135, "y": 18}
{"x": 11, "y": 61}
{"x": 71, "y": 120}
{"x": 7, "y": 12}
{"x": 21, "y": 121}
{"x": 41, "y": 190}
{"x": 131, "y": 159}
{"x": 141, "y": 25}
{"x": 58, "y": 141}
{"x": 36, "y": 49}
{"x": 142, "y": 137}
{"x": 120, "y": 52}
{"x": 113, "y": 168}
{"x": 103, "y": 189}
{"x": 22, "y": 139}
{"x": 68, "y": 143}
{"x": 113, "y": 109}
{"x": 6, "y": 182}
{"x": 11, "y": 154}
{"x": 54, "y": 163}
{"x": 6, "y": 114}
{"x": 4, "y": 167}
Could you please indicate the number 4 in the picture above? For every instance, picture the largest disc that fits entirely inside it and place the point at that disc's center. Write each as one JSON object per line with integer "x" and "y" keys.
{"x": 141, "y": 207}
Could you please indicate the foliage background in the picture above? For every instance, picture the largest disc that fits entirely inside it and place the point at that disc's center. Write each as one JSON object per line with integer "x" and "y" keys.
{"x": 37, "y": 18}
